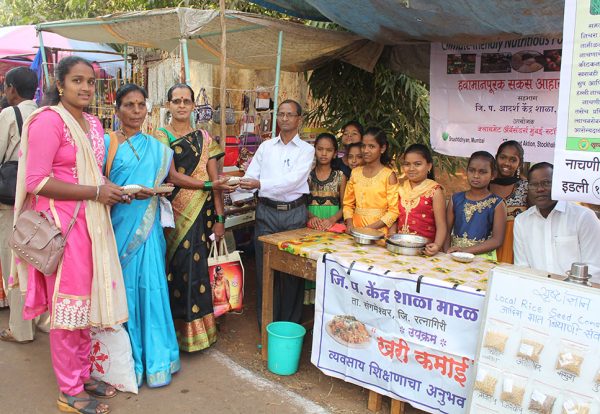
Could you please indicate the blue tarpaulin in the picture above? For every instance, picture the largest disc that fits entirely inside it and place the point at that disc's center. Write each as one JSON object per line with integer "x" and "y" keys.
{"x": 393, "y": 22}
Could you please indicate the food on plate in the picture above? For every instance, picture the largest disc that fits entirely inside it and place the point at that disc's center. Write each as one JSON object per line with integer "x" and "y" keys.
{"x": 131, "y": 189}
{"x": 462, "y": 257}
{"x": 348, "y": 329}
{"x": 163, "y": 189}
{"x": 233, "y": 181}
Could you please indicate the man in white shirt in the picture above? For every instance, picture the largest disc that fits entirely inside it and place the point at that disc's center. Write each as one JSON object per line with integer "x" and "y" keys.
{"x": 20, "y": 85}
{"x": 279, "y": 171}
{"x": 551, "y": 234}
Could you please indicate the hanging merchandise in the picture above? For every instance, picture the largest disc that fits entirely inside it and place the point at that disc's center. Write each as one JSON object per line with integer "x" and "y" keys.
{"x": 232, "y": 151}
{"x": 203, "y": 111}
{"x": 263, "y": 100}
{"x": 229, "y": 112}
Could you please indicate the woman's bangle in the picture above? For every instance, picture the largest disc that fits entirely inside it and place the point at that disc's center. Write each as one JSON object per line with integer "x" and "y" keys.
{"x": 220, "y": 218}
{"x": 208, "y": 185}
{"x": 97, "y": 193}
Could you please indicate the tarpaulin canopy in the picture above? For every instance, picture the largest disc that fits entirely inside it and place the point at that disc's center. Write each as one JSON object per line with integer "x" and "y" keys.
{"x": 409, "y": 26}
{"x": 466, "y": 21}
{"x": 21, "y": 42}
{"x": 251, "y": 39}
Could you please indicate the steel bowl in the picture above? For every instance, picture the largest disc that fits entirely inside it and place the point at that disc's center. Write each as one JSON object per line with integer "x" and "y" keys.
{"x": 406, "y": 251}
{"x": 407, "y": 240}
{"x": 366, "y": 235}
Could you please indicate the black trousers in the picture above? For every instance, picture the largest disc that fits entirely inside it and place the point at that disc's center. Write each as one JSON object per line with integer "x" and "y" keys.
{"x": 288, "y": 291}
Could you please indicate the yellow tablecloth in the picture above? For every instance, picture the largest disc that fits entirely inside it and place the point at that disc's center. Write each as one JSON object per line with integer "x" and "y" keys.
{"x": 313, "y": 245}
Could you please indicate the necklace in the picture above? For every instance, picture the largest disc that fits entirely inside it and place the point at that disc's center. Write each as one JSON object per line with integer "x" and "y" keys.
{"x": 130, "y": 144}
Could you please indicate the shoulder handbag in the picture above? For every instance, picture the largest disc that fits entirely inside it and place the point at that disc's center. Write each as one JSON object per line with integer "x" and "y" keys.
{"x": 229, "y": 113}
{"x": 203, "y": 110}
{"x": 228, "y": 294}
{"x": 8, "y": 170}
{"x": 113, "y": 146}
{"x": 38, "y": 241}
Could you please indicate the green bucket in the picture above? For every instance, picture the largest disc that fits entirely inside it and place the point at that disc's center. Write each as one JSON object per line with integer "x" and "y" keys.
{"x": 285, "y": 346}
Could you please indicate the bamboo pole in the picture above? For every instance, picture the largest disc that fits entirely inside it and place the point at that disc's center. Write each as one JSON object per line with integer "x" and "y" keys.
{"x": 223, "y": 59}
{"x": 44, "y": 61}
{"x": 277, "y": 76}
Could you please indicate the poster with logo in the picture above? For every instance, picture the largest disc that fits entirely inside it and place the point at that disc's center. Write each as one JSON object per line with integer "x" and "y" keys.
{"x": 405, "y": 336}
{"x": 577, "y": 155}
{"x": 485, "y": 94}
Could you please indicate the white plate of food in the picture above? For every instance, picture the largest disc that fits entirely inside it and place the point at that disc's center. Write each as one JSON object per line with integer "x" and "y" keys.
{"x": 131, "y": 189}
{"x": 348, "y": 331}
{"x": 462, "y": 257}
{"x": 161, "y": 189}
{"x": 233, "y": 181}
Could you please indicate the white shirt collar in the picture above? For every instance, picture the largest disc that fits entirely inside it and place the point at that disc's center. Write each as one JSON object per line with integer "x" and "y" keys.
{"x": 560, "y": 207}
{"x": 295, "y": 140}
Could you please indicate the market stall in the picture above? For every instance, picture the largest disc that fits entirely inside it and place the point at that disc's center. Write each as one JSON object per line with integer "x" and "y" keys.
{"x": 419, "y": 316}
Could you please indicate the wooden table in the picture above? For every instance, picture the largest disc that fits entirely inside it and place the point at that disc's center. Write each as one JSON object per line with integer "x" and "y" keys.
{"x": 306, "y": 268}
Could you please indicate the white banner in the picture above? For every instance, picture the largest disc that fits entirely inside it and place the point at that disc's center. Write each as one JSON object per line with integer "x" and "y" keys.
{"x": 484, "y": 94}
{"x": 408, "y": 337}
{"x": 577, "y": 155}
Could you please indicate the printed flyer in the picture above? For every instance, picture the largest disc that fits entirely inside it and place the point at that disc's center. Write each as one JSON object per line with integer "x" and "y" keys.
{"x": 405, "y": 336}
{"x": 577, "y": 154}
{"x": 485, "y": 94}
{"x": 539, "y": 348}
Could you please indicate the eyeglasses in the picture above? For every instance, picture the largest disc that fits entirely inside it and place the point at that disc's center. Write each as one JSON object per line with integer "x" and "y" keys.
{"x": 547, "y": 184}
{"x": 186, "y": 102}
{"x": 283, "y": 115}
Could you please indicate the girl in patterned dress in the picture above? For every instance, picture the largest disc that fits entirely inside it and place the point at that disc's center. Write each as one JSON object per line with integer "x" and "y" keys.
{"x": 371, "y": 196}
{"x": 421, "y": 205}
{"x": 477, "y": 217}
{"x": 512, "y": 188}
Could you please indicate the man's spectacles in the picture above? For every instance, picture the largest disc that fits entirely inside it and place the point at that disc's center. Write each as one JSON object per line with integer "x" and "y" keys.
{"x": 186, "y": 102}
{"x": 284, "y": 115}
{"x": 547, "y": 184}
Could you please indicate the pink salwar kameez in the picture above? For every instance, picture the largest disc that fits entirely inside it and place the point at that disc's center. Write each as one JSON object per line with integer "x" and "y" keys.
{"x": 66, "y": 294}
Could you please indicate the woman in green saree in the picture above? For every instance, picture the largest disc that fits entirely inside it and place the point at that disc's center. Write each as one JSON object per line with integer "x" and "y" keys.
{"x": 198, "y": 209}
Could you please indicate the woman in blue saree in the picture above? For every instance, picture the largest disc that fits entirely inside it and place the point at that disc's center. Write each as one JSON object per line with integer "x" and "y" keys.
{"x": 142, "y": 160}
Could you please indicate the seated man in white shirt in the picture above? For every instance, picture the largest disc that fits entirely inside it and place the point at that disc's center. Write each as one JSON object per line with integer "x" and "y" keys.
{"x": 279, "y": 170}
{"x": 551, "y": 234}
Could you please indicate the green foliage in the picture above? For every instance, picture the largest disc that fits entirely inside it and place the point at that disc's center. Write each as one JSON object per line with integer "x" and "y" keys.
{"x": 16, "y": 12}
{"x": 390, "y": 100}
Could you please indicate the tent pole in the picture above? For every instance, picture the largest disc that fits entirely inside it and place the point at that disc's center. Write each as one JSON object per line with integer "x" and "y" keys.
{"x": 222, "y": 86}
{"x": 186, "y": 63}
{"x": 44, "y": 61}
{"x": 277, "y": 75}
{"x": 125, "y": 66}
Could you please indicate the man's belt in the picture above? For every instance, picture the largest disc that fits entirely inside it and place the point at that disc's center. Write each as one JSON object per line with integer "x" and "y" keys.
{"x": 282, "y": 205}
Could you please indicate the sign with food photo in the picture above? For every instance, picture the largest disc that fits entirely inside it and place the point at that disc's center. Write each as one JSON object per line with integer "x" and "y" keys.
{"x": 406, "y": 336}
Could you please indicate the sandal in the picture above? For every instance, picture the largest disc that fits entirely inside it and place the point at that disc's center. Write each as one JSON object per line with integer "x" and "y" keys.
{"x": 7, "y": 336}
{"x": 69, "y": 405}
{"x": 99, "y": 389}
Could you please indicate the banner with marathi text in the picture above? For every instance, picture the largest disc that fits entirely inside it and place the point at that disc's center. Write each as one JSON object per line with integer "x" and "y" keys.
{"x": 484, "y": 94}
{"x": 401, "y": 335}
{"x": 577, "y": 155}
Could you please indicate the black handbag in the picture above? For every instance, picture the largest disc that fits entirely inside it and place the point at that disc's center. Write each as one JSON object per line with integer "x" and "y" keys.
{"x": 8, "y": 170}
{"x": 203, "y": 110}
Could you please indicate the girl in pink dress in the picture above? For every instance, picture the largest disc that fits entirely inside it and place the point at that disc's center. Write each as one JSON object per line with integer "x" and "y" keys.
{"x": 62, "y": 151}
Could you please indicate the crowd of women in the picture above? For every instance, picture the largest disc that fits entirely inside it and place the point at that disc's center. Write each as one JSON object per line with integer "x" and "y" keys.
{"x": 127, "y": 270}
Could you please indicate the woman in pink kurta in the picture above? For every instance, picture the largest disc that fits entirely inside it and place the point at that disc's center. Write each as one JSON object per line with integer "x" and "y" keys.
{"x": 62, "y": 155}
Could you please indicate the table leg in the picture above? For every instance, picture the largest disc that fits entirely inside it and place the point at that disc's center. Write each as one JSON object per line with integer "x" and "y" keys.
{"x": 267, "y": 298}
{"x": 374, "y": 403}
{"x": 397, "y": 407}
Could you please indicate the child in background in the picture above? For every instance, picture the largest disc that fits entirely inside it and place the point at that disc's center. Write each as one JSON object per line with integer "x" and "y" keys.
{"x": 422, "y": 205}
{"x": 477, "y": 217}
{"x": 352, "y": 133}
{"x": 326, "y": 193}
{"x": 326, "y": 186}
{"x": 371, "y": 197}
{"x": 354, "y": 155}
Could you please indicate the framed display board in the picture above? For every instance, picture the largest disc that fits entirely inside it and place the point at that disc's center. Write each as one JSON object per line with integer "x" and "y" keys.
{"x": 539, "y": 346}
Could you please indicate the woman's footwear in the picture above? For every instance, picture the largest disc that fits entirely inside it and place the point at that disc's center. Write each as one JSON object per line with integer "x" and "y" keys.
{"x": 69, "y": 405}
{"x": 99, "y": 389}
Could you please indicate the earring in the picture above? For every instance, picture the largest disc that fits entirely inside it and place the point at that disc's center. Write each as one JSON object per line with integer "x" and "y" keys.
{"x": 60, "y": 92}
{"x": 518, "y": 174}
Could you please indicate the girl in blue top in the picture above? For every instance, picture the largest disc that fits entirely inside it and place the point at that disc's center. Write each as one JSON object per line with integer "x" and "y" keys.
{"x": 477, "y": 218}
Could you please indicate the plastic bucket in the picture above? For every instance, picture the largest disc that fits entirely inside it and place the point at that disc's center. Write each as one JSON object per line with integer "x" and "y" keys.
{"x": 285, "y": 345}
